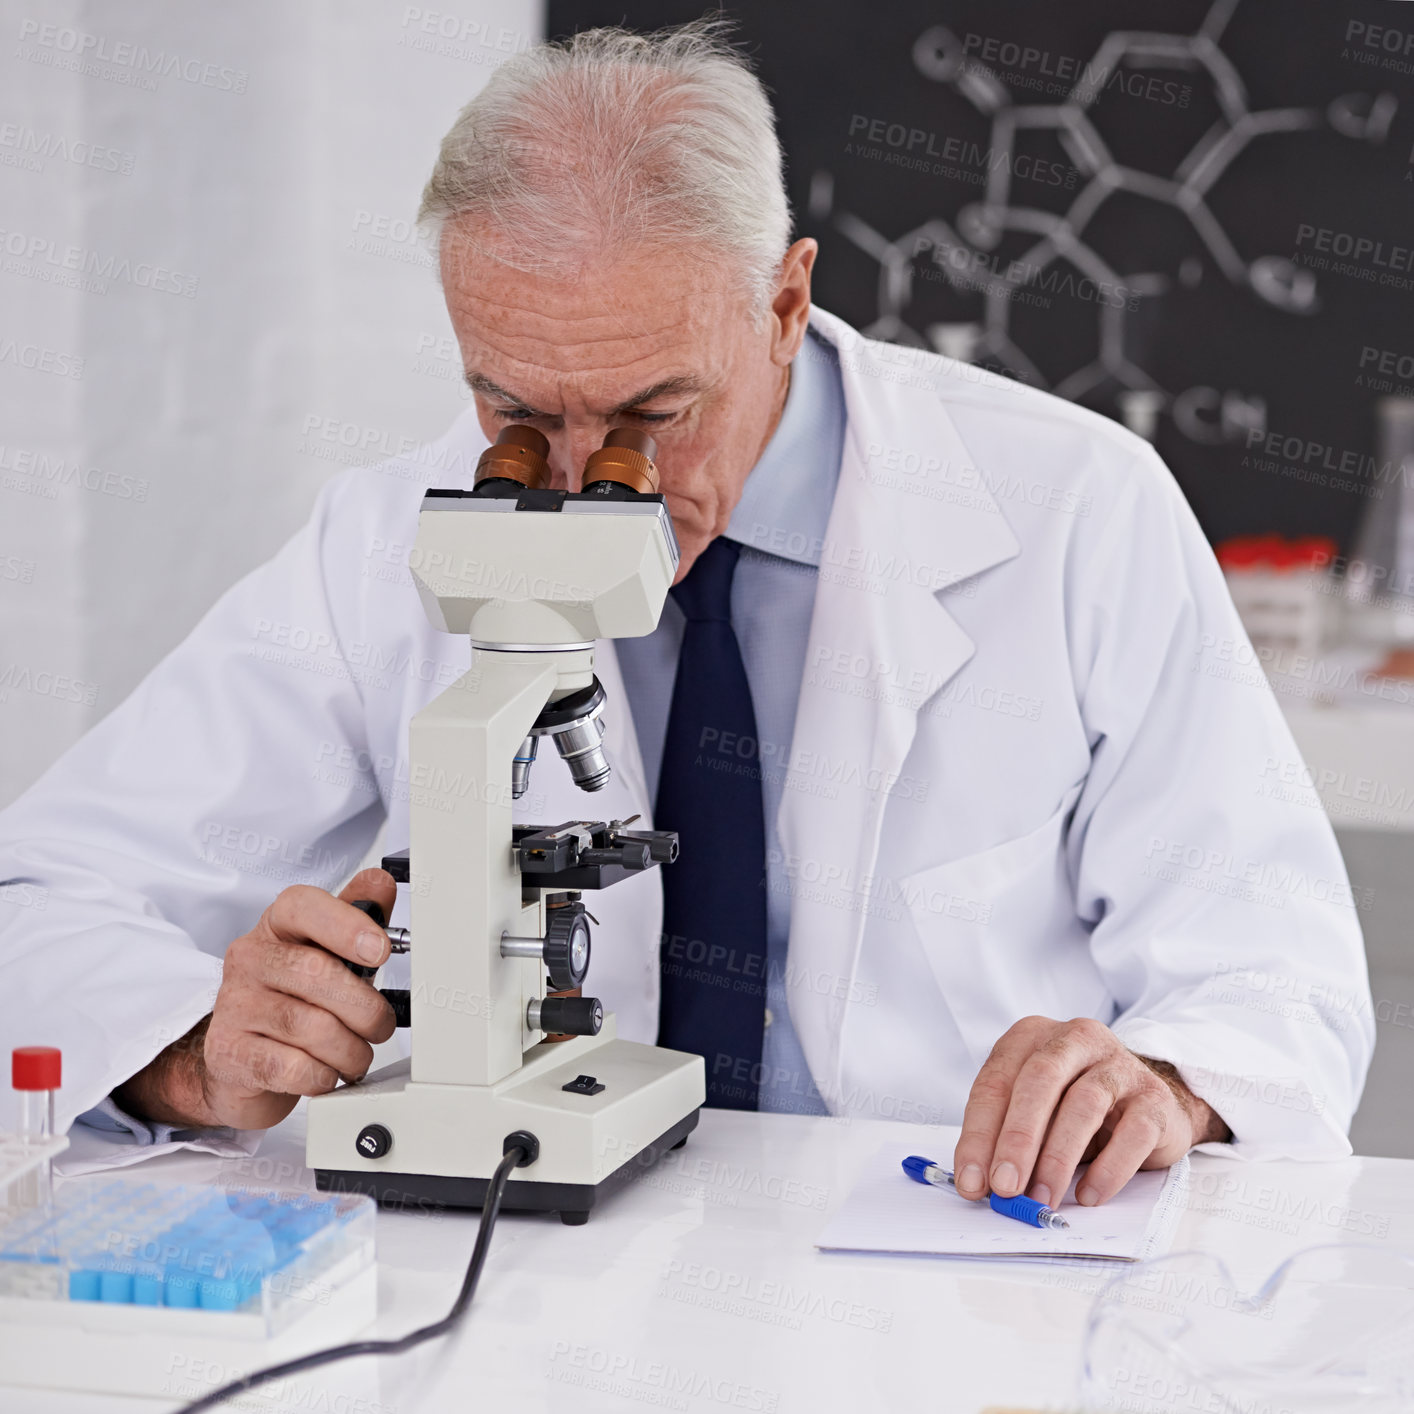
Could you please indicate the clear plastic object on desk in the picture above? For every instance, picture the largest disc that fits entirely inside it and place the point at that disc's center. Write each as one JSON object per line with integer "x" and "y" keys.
{"x": 1331, "y": 1329}
{"x": 1379, "y": 577}
{"x": 194, "y": 1247}
{"x": 36, "y": 1073}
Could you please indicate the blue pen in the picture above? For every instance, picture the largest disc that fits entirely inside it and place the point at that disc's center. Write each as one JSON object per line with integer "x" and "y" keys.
{"x": 1022, "y": 1208}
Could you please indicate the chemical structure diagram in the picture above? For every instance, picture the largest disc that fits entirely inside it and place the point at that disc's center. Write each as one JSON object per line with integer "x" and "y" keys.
{"x": 962, "y": 253}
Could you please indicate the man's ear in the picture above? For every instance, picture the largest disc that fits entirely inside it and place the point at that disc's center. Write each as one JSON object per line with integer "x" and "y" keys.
{"x": 790, "y": 305}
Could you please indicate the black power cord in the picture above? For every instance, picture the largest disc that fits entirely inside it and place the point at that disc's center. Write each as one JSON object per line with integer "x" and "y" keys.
{"x": 521, "y": 1149}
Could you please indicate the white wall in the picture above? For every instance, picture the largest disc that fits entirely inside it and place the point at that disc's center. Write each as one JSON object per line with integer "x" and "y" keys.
{"x": 155, "y": 444}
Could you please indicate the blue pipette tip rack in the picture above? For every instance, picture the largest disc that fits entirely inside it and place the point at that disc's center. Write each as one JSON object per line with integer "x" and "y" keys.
{"x": 195, "y": 1248}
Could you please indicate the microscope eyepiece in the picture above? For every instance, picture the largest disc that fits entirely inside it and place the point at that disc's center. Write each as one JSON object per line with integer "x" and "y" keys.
{"x": 515, "y": 460}
{"x": 623, "y": 463}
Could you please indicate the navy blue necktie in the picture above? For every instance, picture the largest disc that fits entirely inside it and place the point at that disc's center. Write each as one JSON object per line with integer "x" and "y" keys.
{"x": 713, "y": 958}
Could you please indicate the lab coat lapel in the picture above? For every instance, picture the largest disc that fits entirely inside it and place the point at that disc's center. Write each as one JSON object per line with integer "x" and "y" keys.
{"x": 881, "y": 643}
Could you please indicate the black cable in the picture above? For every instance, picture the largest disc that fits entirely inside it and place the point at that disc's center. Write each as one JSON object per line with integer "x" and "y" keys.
{"x": 495, "y": 1190}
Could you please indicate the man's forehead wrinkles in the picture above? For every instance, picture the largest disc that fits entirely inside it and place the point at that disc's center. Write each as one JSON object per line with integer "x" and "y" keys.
{"x": 610, "y": 388}
{"x": 669, "y": 310}
{"x": 669, "y": 316}
{"x": 543, "y": 356}
{"x": 598, "y": 346}
{"x": 515, "y": 370}
{"x": 590, "y": 355}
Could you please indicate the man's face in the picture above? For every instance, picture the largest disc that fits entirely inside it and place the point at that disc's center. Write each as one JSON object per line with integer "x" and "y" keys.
{"x": 651, "y": 340}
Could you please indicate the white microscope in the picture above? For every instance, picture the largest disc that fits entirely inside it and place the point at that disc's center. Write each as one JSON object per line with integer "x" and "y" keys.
{"x": 500, "y": 1053}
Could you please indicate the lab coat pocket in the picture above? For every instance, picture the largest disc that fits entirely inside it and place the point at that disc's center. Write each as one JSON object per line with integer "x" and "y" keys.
{"x": 1001, "y": 936}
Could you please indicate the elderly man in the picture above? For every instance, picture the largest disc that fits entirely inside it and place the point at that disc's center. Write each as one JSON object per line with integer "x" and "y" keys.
{"x": 949, "y": 657}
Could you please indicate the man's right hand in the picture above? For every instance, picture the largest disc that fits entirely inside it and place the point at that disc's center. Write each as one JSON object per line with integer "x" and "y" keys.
{"x": 290, "y": 1019}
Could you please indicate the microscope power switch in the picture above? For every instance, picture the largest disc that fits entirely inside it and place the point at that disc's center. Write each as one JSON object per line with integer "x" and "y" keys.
{"x": 584, "y": 1085}
{"x": 373, "y": 1141}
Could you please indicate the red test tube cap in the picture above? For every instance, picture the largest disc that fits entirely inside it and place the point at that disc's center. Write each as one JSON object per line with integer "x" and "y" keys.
{"x": 35, "y": 1067}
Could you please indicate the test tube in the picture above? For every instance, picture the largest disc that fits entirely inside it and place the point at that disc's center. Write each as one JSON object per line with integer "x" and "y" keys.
{"x": 35, "y": 1073}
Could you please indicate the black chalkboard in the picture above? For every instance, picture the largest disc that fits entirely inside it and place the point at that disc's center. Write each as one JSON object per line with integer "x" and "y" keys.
{"x": 1243, "y": 247}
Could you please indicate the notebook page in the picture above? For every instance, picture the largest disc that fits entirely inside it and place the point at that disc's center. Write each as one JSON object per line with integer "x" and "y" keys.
{"x": 889, "y": 1212}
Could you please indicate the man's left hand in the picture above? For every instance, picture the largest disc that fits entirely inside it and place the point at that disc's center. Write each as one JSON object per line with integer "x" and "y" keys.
{"x": 1056, "y": 1094}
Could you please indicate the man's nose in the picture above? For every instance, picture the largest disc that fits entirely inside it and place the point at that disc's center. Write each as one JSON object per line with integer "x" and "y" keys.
{"x": 570, "y": 450}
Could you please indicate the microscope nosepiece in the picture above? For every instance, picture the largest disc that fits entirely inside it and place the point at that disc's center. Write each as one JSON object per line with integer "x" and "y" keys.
{"x": 573, "y": 722}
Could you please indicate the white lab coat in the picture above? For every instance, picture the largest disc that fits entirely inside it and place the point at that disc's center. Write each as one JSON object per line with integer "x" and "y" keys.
{"x": 1029, "y": 775}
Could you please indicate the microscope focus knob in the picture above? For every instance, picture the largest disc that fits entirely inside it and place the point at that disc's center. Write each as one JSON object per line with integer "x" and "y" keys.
{"x": 566, "y": 954}
{"x": 566, "y": 1016}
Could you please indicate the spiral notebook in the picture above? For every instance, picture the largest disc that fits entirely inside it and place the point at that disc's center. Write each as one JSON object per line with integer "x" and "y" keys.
{"x": 889, "y": 1212}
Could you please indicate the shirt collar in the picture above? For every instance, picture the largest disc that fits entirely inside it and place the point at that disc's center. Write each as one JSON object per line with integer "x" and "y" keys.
{"x": 785, "y": 504}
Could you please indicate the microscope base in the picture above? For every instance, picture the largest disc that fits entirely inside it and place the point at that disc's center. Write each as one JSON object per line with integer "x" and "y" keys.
{"x": 572, "y": 1201}
{"x": 440, "y": 1143}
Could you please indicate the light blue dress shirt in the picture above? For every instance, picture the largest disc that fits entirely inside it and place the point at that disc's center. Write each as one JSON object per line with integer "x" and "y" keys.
{"x": 780, "y": 523}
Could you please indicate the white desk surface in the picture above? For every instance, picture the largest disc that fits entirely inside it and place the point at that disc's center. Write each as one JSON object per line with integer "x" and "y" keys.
{"x": 705, "y": 1265}
{"x": 1360, "y": 758}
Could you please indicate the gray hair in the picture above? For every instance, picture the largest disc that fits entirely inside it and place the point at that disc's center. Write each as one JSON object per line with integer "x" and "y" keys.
{"x": 612, "y": 139}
